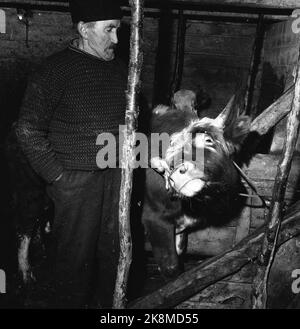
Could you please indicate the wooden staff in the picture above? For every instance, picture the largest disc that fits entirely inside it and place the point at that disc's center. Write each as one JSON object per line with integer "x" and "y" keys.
{"x": 128, "y": 156}
{"x": 266, "y": 256}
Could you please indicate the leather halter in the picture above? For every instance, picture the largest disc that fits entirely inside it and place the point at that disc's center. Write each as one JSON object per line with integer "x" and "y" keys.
{"x": 265, "y": 203}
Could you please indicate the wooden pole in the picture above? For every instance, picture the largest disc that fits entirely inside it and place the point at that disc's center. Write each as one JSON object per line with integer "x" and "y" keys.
{"x": 255, "y": 61}
{"x": 266, "y": 256}
{"x": 128, "y": 157}
{"x": 216, "y": 268}
{"x": 163, "y": 57}
{"x": 179, "y": 59}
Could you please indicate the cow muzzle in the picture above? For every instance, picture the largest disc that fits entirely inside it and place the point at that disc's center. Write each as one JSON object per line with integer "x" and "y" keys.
{"x": 186, "y": 180}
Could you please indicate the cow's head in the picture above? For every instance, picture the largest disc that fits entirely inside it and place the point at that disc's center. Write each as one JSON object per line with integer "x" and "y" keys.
{"x": 184, "y": 100}
{"x": 199, "y": 155}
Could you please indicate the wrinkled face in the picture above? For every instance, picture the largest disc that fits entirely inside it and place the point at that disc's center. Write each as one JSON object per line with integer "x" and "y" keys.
{"x": 100, "y": 39}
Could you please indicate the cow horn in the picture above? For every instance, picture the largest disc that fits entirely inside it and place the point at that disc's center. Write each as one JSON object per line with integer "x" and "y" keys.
{"x": 222, "y": 117}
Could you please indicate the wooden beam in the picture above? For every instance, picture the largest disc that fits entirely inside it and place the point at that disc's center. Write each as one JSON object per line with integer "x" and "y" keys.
{"x": 267, "y": 4}
{"x": 21, "y": 3}
{"x": 277, "y": 4}
{"x": 206, "y": 12}
{"x": 217, "y": 268}
{"x": 274, "y": 113}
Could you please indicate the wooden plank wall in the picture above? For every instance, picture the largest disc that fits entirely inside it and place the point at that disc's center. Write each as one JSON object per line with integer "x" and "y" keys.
{"x": 217, "y": 58}
{"x": 48, "y": 32}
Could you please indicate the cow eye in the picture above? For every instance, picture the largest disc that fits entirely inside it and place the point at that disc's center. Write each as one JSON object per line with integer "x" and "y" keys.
{"x": 208, "y": 140}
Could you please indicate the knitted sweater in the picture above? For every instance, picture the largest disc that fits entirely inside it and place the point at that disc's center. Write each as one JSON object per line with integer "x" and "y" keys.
{"x": 73, "y": 98}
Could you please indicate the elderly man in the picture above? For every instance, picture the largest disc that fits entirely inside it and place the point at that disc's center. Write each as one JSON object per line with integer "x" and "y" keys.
{"x": 76, "y": 95}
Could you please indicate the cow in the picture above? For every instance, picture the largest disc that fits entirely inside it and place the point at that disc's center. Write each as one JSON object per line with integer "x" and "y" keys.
{"x": 31, "y": 208}
{"x": 186, "y": 100}
{"x": 182, "y": 100}
{"x": 184, "y": 193}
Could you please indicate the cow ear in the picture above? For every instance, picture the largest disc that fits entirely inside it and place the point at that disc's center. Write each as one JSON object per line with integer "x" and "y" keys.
{"x": 236, "y": 133}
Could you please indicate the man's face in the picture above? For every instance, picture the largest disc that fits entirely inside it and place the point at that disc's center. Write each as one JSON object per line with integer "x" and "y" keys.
{"x": 102, "y": 39}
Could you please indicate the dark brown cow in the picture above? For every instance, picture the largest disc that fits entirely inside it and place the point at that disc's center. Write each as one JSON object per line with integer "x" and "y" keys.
{"x": 185, "y": 192}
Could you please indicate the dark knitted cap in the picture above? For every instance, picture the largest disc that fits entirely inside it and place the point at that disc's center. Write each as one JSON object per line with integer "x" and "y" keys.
{"x": 94, "y": 10}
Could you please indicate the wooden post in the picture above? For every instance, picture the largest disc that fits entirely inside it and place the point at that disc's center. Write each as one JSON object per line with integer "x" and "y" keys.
{"x": 128, "y": 158}
{"x": 276, "y": 211}
{"x": 255, "y": 61}
{"x": 179, "y": 59}
{"x": 163, "y": 57}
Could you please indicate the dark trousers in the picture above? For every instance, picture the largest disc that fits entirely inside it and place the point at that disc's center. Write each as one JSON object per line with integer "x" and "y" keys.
{"x": 85, "y": 237}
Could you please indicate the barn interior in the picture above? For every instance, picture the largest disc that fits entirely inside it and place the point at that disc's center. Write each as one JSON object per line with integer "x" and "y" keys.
{"x": 217, "y": 48}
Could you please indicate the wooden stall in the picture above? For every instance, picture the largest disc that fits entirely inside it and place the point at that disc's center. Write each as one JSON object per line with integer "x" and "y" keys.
{"x": 244, "y": 47}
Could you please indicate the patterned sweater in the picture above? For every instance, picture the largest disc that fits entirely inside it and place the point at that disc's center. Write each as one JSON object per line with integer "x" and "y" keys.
{"x": 72, "y": 98}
